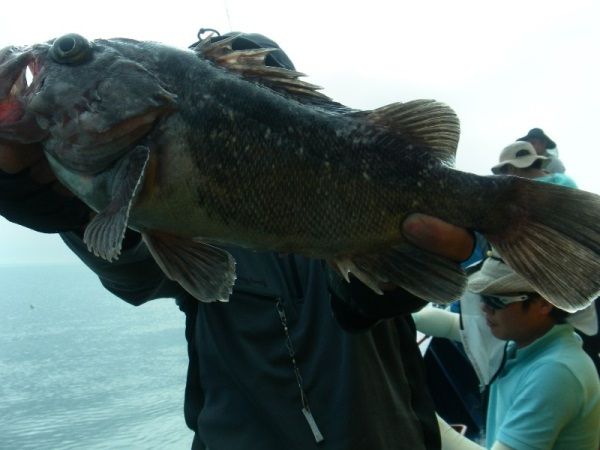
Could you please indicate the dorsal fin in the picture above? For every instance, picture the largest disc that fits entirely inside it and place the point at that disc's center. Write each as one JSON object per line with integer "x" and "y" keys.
{"x": 423, "y": 122}
{"x": 250, "y": 64}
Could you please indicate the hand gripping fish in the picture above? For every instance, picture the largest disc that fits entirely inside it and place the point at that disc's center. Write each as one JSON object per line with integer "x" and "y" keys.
{"x": 206, "y": 146}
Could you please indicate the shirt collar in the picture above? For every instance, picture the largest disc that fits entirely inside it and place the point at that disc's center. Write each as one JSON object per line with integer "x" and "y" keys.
{"x": 541, "y": 343}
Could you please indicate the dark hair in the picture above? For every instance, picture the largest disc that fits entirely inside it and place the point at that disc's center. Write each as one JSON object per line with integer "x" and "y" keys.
{"x": 559, "y": 315}
{"x": 537, "y": 164}
{"x": 538, "y": 133}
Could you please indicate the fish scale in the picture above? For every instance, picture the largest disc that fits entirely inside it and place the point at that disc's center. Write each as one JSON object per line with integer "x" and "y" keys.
{"x": 200, "y": 147}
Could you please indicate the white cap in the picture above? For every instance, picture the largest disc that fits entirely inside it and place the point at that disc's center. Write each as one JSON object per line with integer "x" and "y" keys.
{"x": 519, "y": 154}
{"x": 496, "y": 277}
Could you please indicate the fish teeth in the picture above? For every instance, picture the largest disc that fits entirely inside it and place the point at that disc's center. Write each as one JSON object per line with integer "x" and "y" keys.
{"x": 28, "y": 76}
{"x": 15, "y": 90}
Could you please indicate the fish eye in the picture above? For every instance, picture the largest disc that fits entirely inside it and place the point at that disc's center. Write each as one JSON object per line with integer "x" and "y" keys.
{"x": 70, "y": 49}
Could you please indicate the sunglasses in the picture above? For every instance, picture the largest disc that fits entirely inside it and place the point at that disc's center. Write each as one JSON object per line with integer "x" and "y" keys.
{"x": 502, "y": 301}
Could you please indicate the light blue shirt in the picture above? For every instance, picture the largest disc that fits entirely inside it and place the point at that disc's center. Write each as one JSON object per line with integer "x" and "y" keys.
{"x": 547, "y": 396}
{"x": 558, "y": 178}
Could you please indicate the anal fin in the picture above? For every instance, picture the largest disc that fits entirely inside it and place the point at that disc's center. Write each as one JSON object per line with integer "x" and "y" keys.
{"x": 205, "y": 271}
{"x": 428, "y": 276}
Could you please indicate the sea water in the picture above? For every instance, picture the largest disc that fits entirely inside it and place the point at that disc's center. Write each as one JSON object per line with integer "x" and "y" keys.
{"x": 82, "y": 369}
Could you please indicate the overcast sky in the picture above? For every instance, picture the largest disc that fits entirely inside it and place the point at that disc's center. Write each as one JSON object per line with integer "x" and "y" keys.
{"x": 504, "y": 66}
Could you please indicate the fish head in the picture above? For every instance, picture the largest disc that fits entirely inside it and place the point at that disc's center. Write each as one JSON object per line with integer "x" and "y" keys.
{"x": 85, "y": 103}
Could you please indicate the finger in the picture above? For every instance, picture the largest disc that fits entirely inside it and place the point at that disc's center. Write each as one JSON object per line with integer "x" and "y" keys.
{"x": 439, "y": 237}
{"x": 15, "y": 158}
{"x": 41, "y": 173}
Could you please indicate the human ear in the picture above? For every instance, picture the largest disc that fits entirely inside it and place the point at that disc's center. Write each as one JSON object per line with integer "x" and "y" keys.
{"x": 544, "y": 306}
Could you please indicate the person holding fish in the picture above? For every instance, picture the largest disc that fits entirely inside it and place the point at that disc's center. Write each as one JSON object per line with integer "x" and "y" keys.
{"x": 271, "y": 368}
{"x": 215, "y": 176}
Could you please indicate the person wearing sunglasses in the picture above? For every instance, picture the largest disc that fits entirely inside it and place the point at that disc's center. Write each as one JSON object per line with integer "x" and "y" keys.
{"x": 544, "y": 391}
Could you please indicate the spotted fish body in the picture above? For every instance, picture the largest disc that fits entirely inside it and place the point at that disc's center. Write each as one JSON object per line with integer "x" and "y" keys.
{"x": 196, "y": 148}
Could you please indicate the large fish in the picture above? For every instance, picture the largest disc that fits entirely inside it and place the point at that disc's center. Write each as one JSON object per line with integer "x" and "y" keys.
{"x": 209, "y": 145}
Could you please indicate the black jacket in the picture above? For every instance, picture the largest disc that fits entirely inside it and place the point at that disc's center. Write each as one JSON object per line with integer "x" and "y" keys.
{"x": 364, "y": 385}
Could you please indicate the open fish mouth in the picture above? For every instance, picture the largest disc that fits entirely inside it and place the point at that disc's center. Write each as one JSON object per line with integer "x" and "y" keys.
{"x": 81, "y": 120}
{"x": 12, "y": 71}
{"x": 18, "y": 69}
{"x": 20, "y": 66}
{"x": 19, "y": 73}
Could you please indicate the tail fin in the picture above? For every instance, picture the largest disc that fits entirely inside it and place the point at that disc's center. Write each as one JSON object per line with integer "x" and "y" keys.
{"x": 554, "y": 242}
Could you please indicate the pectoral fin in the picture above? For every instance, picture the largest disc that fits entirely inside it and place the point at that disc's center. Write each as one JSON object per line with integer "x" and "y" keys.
{"x": 206, "y": 272}
{"x": 104, "y": 234}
